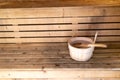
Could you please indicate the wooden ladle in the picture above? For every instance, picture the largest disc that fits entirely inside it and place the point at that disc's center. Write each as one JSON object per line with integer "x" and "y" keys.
{"x": 83, "y": 45}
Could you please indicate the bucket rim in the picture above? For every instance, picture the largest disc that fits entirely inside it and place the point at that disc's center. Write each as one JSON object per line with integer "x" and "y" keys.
{"x": 69, "y": 42}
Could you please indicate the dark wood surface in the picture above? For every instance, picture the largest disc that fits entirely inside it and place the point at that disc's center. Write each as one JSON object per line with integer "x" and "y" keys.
{"x": 56, "y": 3}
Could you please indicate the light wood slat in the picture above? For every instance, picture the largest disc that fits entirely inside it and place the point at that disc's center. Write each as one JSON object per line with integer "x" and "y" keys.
{"x": 65, "y": 79}
{"x": 82, "y": 11}
{"x": 60, "y": 20}
{"x": 31, "y": 12}
{"x": 69, "y": 79}
{"x": 82, "y": 79}
{"x": 57, "y": 73}
{"x": 34, "y": 45}
{"x": 61, "y": 27}
{"x": 58, "y": 33}
{"x": 8, "y": 79}
{"x": 36, "y": 40}
{"x": 57, "y": 12}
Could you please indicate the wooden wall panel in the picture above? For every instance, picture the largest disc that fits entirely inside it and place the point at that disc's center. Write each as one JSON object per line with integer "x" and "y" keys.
{"x": 34, "y": 40}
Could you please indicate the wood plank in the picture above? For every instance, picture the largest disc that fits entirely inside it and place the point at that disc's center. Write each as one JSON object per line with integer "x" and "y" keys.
{"x": 57, "y": 12}
{"x": 112, "y": 11}
{"x": 86, "y": 27}
{"x": 60, "y": 20}
{"x": 7, "y": 79}
{"x": 37, "y": 40}
{"x": 57, "y": 3}
{"x": 65, "y": 79}
{"x": 60, "y": 55}
{"x": 82, "y": 11}
{"x": 107, "y": 50}
{"x": 51, "y": 73}
{"x": 52, "y": 46}
{"x": 31, "y": 12}
{"x": 71, "y": 66}
{"x": 39, "y": 61}
{"x": 47, "y": 45}
{"x": 84, "y": 79}
{"x": 45, "y": 50}
{"x": 59, "y": 33}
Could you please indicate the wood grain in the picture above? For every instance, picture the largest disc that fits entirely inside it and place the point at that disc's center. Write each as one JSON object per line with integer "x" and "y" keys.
{"x": 56, "y": 3}
{"x": 58, "y": 12}
{"x": 51, "y": 74}
{"x": 61, "y": 20}
{"x": 87, "y": 27}
{"x": 33, "y": 41}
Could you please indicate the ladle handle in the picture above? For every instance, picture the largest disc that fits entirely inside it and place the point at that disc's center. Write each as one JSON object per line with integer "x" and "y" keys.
{"x": 97, "y": 45}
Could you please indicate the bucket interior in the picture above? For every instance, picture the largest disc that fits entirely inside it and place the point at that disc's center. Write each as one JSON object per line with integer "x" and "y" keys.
{"x": 79, "y": 40}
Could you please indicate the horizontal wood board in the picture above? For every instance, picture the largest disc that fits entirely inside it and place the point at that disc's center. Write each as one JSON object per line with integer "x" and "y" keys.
{"x": 56, "y": 3}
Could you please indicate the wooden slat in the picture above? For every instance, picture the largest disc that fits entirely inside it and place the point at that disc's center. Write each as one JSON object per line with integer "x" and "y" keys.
{"x": 112, "y": 11}
{"x": 53, "y": 50}
{"x": 82, "y": 11}
{"x": 31, "y": 12}
{"x": 37, "y": 40}
{"x": 40, "y": 61}
{"x": 107, "y": 50}
{"x": 57, "y": 3}
{"x": 57, "y": 12}
{"x": 46, "y": 51}
{"x": 78, "y": 11}
{"x": 65, "y": 79}
{"x": 57, "y": 73}
{"x": 112, "y": 47}
{"x": 61, "y": 27}
{"x": 33, "y": 54}
{"x": 71, "y": 66}
{"x": 58, "y": 33}
{"x": 60, "y": 20}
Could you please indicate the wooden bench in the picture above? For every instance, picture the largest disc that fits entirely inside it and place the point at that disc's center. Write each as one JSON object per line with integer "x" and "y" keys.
{"x": 34, "y": 42}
